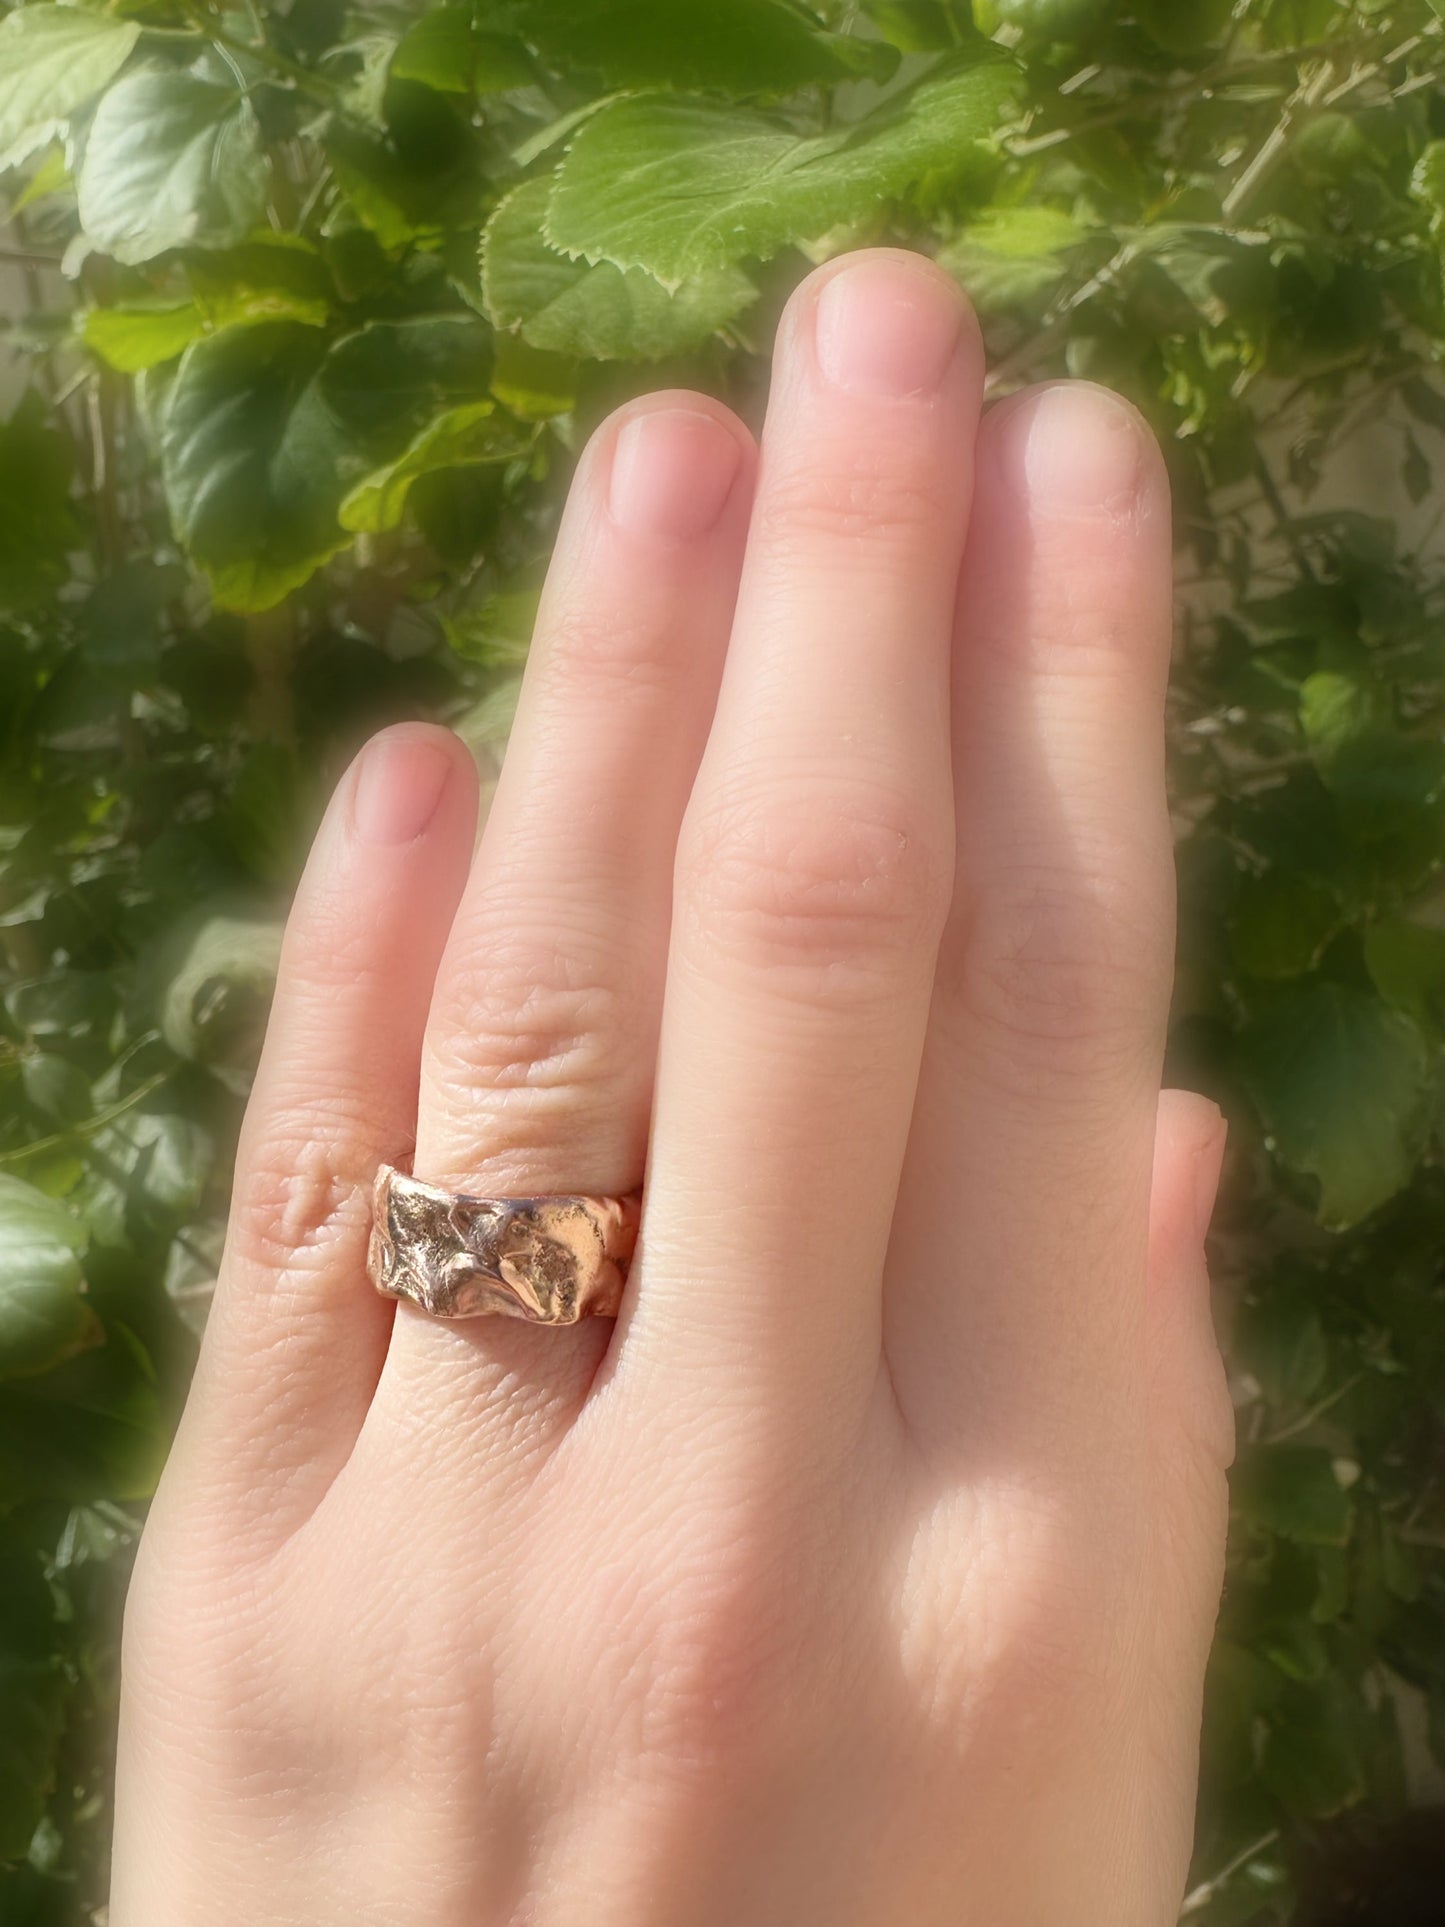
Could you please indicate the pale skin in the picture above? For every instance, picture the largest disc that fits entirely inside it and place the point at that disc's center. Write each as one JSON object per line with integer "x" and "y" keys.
{"x": 863, "y": 1572}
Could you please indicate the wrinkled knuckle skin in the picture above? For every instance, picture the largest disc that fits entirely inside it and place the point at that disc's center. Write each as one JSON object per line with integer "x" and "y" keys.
{"x": 828, "y": 878}
{"x": 846, "y": 499}
{"x": 1037, "y": 1631}
{"x": 299, "y": 1196}
{"x": 529, "y": 1018}
{"x": 724, "y": 1642}
{"x": 1063, "y": 968}
{"x": 622, "y": 655}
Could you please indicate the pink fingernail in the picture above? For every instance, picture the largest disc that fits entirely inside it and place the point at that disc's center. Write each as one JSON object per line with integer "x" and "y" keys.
{"x": 1208, "y": 1165}
{"x": 886, "y": 328}
{"x": 1073, "y": 446}
{"x": 399, "y": 785}
{"x": 672, "y": 473}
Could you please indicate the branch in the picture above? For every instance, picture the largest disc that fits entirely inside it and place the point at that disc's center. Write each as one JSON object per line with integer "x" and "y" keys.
{"x": 1200, "y": 1898}
{"x": 87, "y": 1127}
{"x": 1304, "y": 97}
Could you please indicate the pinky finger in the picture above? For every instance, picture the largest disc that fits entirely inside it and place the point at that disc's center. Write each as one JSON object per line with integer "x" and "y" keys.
{"x": 296, "y": 1335}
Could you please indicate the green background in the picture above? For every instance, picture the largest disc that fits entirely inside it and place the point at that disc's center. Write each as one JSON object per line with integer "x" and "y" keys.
{"x": 308, "y": 309}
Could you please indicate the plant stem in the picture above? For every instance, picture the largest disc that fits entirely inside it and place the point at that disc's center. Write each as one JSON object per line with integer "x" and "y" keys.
{"x": 1200, "y": 1898}
{"x": 87, "y": 1127}
{"x": 1307, "y": 1419}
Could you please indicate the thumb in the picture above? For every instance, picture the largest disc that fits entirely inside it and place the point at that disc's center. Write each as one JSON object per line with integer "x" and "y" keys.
{"x": 1186, "y": 1368}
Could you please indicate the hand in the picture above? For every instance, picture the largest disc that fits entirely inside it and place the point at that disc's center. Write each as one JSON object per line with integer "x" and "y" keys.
{"x": 862, "y": 1574}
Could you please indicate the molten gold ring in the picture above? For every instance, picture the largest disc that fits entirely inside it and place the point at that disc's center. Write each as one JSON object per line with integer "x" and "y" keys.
{"x": 549, "y": 1260}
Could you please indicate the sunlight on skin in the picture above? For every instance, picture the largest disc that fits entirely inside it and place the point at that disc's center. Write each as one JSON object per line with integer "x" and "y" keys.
{"x": 864, "y": 1571}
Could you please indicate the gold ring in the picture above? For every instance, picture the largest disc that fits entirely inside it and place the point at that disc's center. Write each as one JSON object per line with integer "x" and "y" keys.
{"x": 550, "y": 1260}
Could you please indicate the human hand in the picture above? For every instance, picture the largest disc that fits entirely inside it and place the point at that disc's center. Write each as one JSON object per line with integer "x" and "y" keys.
{"x": 863, "y": 1573}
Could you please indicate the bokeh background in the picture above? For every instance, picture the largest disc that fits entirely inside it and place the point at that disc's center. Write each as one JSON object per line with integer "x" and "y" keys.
{"x": 306, "y": 310}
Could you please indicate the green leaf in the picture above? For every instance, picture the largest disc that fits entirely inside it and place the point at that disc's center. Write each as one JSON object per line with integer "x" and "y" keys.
{"x": 460, "y": 438}
{"x": 215, "y": 1004}
{"x": 400, "y": 194}
{"x": 923, "y": 26}
{"x": 57, "y": 1088}
{"x": 534, "y": 384}
{"x": 33, "y": 1692}
{"x": 43, "y": 1316}
{"x": 53, "y": 60}
{"x": 1183, "y": 29}
{"x": 486, "y": 726}
{"x": 445, "y": 50}
{"x": 91, "y": 1428}
{"x": 1407, "y": 964}
{"x": 52, "y": 176}
{"x": 1311, "y": 1759}
{"x": 1385, "y": 781}
{"x": 681, "y": 186}
{"x": 1343, "y": 1085}
{"x": 1337, "y": 709}
{"x": 1008, "y": 256}
{"x": 1280, "y": 925}
{"x": 273, "y": 278}
{"x": 249, "y": 458}
{"x": 266, "y": 430}
{"x": 1281, "y": 1340}
{"x": 386, "y": 380}
{"x": 1292, "y": 1490}
{"x": 1427, "y": 182}
{"x": 267, "y": 819}
{"x": 597, "y": 313}
{"x": 171, "y": 161}
{"x": 38, "y": 527}
{"x": 498, "y": 635}
{"x": 1416, "y": 471}
{"x": 743, "y": 47}
{"x": 1056, "y": 19}
{"x": 1427, "y": 404}
{"x": 129, "y": 339}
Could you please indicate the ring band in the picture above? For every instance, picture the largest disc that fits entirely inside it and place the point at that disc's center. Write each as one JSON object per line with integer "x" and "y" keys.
{"x": 549, "y": 1260}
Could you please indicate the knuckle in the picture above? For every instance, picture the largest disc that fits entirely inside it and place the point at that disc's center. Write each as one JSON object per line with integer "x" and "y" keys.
{"x": 1063, "y": 965}
{"x": 723, "y": 1641}
{"x": 836, "y": 876}
{"x": 299, "y": 1196}
{"x": 534, "y": 1016}
{"x": 842, "y": 496}
{"x": 623, "y": 652}
{"x": 1034, "y": 1623}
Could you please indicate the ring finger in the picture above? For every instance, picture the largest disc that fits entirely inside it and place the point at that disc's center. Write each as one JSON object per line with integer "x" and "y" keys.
{"x": 538, "y": 1064}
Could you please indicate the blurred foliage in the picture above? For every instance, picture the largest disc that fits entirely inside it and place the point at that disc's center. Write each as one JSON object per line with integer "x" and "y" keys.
{"x": 317, "y": 300}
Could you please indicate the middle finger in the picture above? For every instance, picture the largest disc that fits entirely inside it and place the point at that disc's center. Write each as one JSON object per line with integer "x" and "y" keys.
{"x": 815, "y": 864}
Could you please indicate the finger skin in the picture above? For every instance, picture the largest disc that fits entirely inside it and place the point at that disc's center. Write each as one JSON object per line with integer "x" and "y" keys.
{"x": 296, "y": 1336}
{"x": 1191, "y": 1429}
{"x": 1045, "y": 1045}
{"x": 538, "y": 1066}
{"x": 1191, "y": 1392}
{"x": 815, "y": 862}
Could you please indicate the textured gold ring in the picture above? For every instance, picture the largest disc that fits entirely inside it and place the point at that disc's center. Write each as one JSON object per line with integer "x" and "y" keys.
{"x": 550, "y": 1260}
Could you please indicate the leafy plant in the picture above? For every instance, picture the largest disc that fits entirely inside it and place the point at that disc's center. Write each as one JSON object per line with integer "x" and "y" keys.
{"x": 316, "y": 301}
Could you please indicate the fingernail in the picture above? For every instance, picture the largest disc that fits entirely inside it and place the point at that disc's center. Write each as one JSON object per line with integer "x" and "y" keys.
{"x": 1073, "y": 446}
{"x": 884, "y": 328}
{"x": 672, "y": 472}
{"x": 1208, "y": 1164}
{"x": 399, "y": 785}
